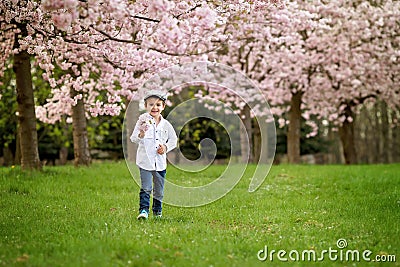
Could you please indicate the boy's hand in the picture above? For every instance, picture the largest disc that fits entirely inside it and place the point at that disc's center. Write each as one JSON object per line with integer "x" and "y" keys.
{"x": 161, "y": 149}
{"x": 141, "y": 134}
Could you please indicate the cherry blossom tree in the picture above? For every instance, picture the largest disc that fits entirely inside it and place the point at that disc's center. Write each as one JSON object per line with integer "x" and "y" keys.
{"x": 361, "y": 60}
{"x": 320, "y": 59}
{"x": 266, "y": 48}
{"x": 130, "y": 41}
{"x": 325, "y": 60}
{"x": 311, "y": 59}
{"x": 12, "y": 28}
{"x": 292, "y": 62}
{"x": 104, "y": 49}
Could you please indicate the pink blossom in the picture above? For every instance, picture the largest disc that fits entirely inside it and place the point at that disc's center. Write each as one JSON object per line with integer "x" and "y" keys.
{"x": 145, "y": 120}
{"x": 62, "y": 20}
{"x": 59, "y": 4}
{"x": 333, "y": 52}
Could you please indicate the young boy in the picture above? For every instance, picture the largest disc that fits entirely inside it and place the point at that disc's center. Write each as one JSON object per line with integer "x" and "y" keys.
{"x": 156, "y": 137}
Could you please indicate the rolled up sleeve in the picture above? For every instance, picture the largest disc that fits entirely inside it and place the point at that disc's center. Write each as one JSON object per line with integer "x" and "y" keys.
{"x": 135, "y": 135}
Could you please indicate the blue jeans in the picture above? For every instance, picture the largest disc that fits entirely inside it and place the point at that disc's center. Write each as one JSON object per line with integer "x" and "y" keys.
{"x": 147, "y": 179}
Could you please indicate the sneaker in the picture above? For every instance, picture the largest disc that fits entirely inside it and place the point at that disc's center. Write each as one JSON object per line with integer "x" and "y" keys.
{"x": 144, "y": 215}
{"x": 157, "y": 215}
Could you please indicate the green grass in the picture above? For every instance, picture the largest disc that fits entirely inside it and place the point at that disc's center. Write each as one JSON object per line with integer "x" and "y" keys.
{"x": 66, "y": 216}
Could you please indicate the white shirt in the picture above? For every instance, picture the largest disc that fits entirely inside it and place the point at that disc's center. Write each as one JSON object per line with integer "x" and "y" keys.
{"x": 147, "y": 157}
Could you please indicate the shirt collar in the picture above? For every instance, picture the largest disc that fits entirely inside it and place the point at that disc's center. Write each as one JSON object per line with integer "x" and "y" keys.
{"x": 161, "y": 120}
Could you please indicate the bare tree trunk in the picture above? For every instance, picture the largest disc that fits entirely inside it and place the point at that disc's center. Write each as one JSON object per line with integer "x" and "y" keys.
{"x": 63, "y": 153}
{"x": 246, "y": 133}
{"x": 377, "y": 134}
{"x": 80, "y": 135}
{"x": 395, "y": 152}
{"x": 360, "y": 137}
{"x": 346, "y": 132}
{"x": 8, "y": 156}
{"x": 370, "y": 140}
{"x": 132, "y": 115}
{"x": 28, "y": 142}
{"x": 335, "y": 151}
{"x": 17, "y": 157}
{"x": 385, "y": 132}
{"x": 293, "y": 135}
{"x": 256, "y": 142}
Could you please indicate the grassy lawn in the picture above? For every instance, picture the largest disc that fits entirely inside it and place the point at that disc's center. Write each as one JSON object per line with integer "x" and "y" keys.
{"x": 66, "y": 216}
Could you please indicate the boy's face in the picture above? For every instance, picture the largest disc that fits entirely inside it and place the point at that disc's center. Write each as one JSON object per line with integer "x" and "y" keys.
{"x": 154, "y": 106}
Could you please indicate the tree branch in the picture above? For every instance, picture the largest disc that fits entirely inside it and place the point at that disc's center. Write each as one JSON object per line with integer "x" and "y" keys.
{"x": 114, "y": 38}
{"x": 186, "y": 12}
{"x": 144, "y": 18}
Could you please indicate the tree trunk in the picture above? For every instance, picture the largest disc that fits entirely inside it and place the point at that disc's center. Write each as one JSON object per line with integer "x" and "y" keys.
{"x": 370, "y": 140}
{"x": 335, "y": 150}
{"x": 257, "y": 142}
{"x": 63, "y": 153}
{"x": 377, "y": 134}
{"x": 26, "y": 112}
{"x": 17, "y": 157}
{"x": 364, "y": 136}
{"x": 131, "y": 117}
{"x": 346, "y": 133}
{"x": 8, "y": 156}
{"x": 385, "y": 132}
{"x": 395, "y": 152}
{"x": 246, "y": 133}
{"x": 293, "y": 136}
{"x": 80, "y": 135}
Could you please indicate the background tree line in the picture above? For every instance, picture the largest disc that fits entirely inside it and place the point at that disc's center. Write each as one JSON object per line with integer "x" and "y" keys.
{"x": 375, "y": 133}
{"x": 323, "y": 66}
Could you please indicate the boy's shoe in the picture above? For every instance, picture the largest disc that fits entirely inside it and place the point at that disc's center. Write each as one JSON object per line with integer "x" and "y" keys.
{"x": 157, "y": 215}
{"x": 144, "y": 215}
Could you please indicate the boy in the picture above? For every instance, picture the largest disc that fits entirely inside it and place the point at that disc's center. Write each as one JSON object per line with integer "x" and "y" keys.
{"x": 156, "y": 137}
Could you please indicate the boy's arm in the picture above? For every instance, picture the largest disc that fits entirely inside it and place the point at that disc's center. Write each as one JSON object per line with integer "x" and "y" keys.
{"x": 172, "y": 138}
{"x": 135, "y": 134}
